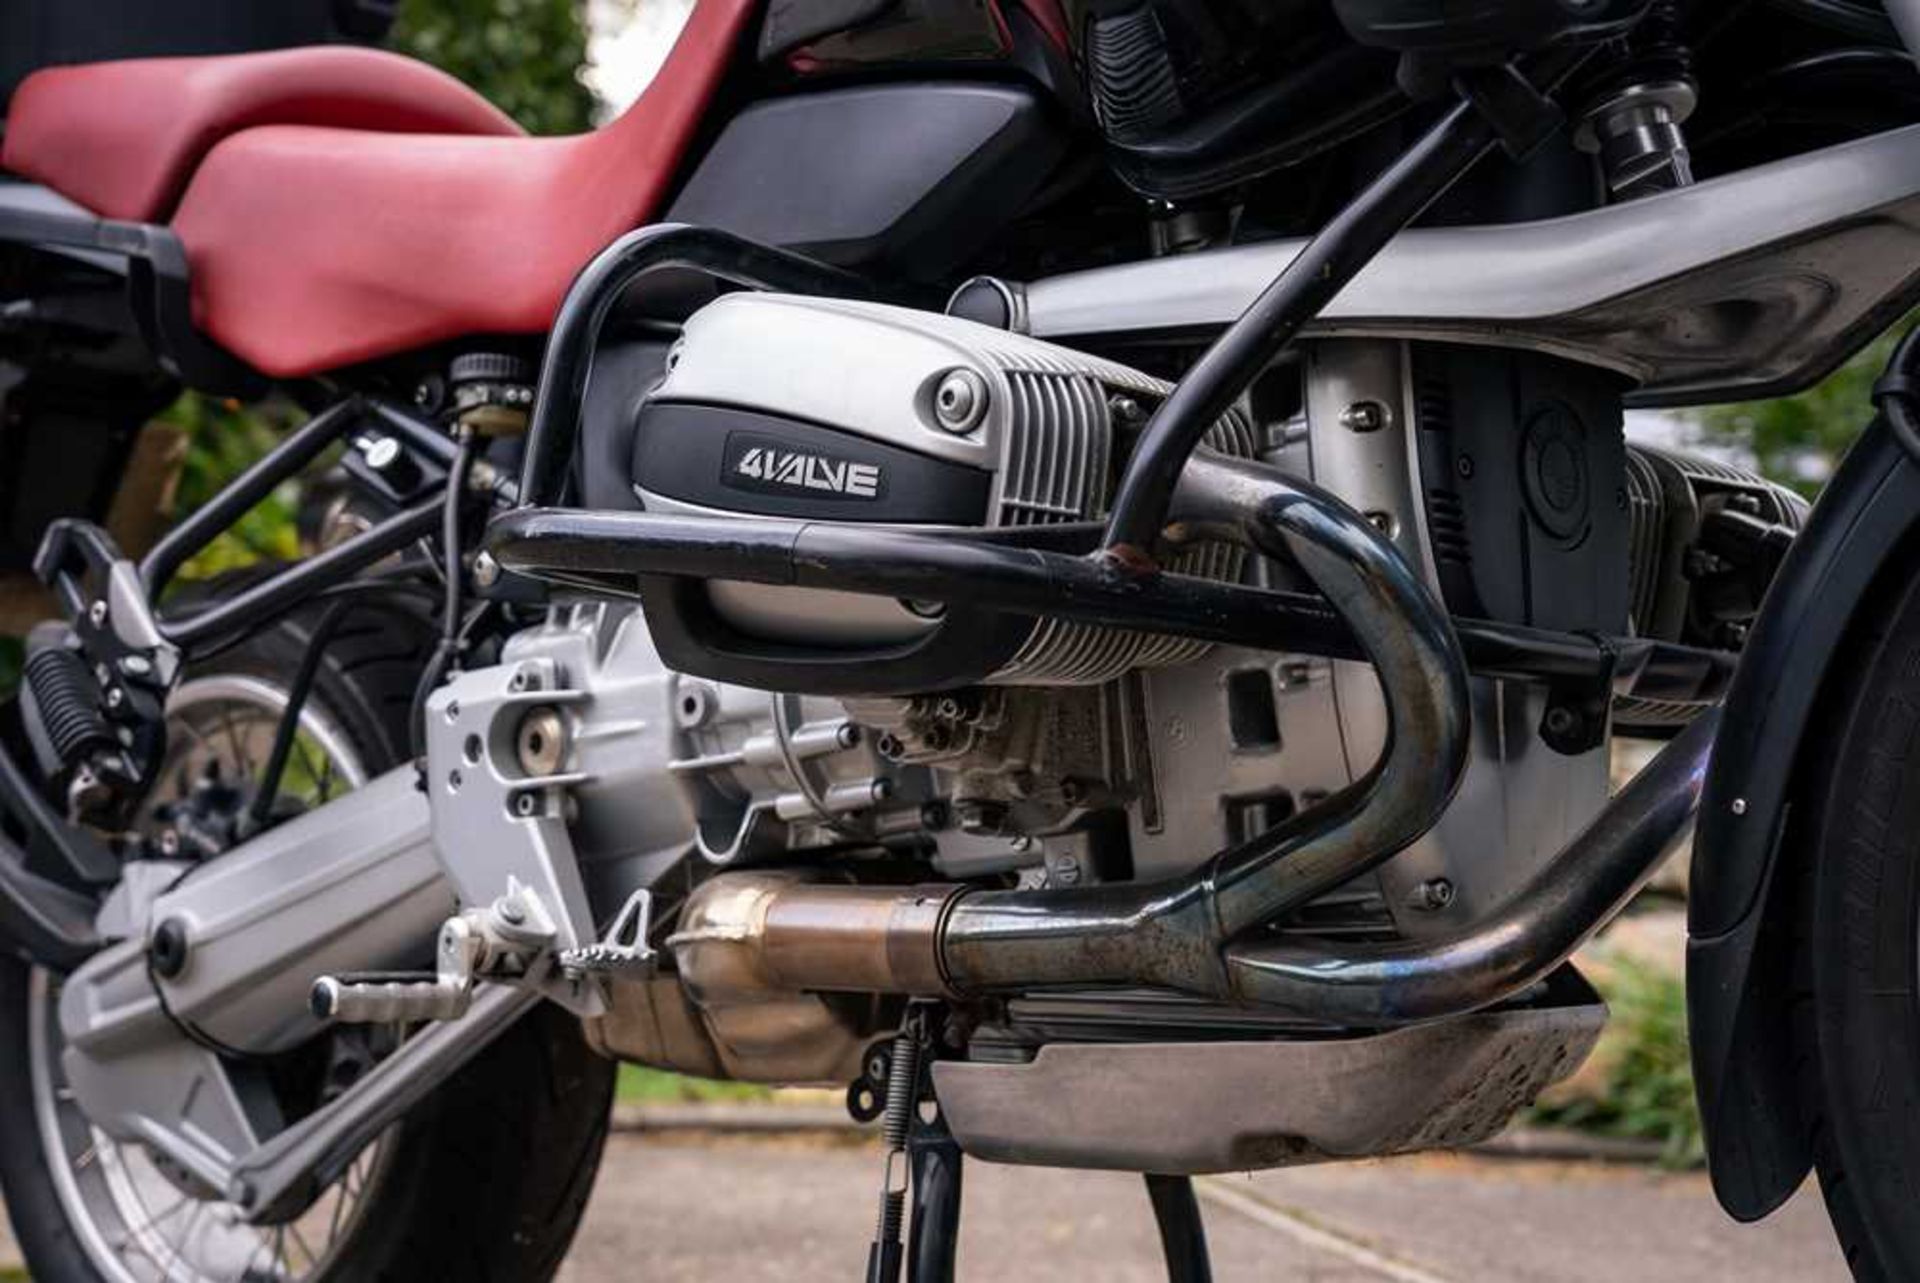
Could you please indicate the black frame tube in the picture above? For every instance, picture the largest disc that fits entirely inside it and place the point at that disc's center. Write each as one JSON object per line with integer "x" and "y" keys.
{"x": 202, "y": 526}
{"x": 988, "y": 569}
{"x": 1297, "y": 295}
{"x": 255, "y": 606}
{"x": 591, "y": 298}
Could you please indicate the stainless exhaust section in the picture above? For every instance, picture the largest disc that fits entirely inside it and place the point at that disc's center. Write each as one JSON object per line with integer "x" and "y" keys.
{"x": 933, "y": 940}
{"x": 1171, "y": 933}
{"x": 1573, "y": 896}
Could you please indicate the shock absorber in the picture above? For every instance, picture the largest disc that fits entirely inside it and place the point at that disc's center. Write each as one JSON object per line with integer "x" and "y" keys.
{"x": 1634, "y": 118}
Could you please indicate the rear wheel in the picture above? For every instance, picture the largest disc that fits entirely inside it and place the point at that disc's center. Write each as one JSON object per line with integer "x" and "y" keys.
{"x": 1858, "y": 976}
{"x": 487, "y": 1180}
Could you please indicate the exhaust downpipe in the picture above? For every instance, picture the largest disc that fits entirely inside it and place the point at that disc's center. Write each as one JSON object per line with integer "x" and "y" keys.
{"x": 779, "y": 933}
{"x": 953, "y": 940}
{"x": 1577, "y": 892}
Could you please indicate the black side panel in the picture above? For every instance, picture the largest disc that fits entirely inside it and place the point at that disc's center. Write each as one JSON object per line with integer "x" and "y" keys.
{"x": 906, "y": 179}
{"x": 1738, "y": 928}
{"x": 1524, "y": 468}
{"x": 792, "y": 23}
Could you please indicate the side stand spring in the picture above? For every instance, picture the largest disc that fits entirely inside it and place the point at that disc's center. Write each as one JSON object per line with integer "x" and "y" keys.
{"x": 903, "y": 1091}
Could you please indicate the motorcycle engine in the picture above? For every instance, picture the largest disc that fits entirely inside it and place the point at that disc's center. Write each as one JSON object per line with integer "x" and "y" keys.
{"x": 936, "y": 423}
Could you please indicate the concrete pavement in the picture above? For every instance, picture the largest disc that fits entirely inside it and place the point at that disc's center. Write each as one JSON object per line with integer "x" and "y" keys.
{"x": 697, "y": 1208}
{"x": 702, "y": 1208}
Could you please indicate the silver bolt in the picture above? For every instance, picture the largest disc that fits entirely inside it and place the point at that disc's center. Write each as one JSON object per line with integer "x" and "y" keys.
{"x": 1433, "y": 895}
{"x": 486, "y": 571}
{"x": 511, "y": 912}
{"x": 541, "y": 741}
{"x": 525, "y": 804}
{"x": 116, "y": 697}
{"x": 960, "y": 402}
{"x": 1739, "y": 806}
{"x": 136, "y": 665}
{"x": 97, "y": 613}
{"x": 380, "y": 453}
{"x": 1364, "y": 416}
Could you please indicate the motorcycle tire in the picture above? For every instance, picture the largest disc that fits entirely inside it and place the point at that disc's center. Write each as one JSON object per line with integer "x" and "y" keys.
{"x": 1857, "y": 969}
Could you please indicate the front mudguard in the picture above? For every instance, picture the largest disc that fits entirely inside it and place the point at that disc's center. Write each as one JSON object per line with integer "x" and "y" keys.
{"x": 1740, "y": 910}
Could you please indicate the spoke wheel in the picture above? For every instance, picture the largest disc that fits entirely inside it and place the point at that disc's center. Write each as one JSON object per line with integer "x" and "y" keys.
{"x": 137, "y": 1220}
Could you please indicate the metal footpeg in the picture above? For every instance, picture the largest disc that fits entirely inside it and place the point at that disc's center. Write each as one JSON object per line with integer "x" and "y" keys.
{"x": 624, "y": 951}
{"x": 387, "y": 998}
{"x": 406, "y": 997}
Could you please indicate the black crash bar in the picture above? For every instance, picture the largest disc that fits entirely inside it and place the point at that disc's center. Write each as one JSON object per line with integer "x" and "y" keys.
{"x": 591, "y": 547}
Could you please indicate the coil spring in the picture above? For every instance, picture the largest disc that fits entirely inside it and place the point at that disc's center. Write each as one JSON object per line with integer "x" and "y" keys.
{"x": 903, "y": 1082}
{"x": 68, "y": 702}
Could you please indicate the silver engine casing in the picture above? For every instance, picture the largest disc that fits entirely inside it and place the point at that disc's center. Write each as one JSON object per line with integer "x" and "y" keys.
{"x": 666, "y": 777}
{"x": 1041, "y": 422}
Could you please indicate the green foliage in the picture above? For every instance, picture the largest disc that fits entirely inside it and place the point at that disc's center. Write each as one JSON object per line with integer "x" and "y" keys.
{"x": 223, "y": 439}
{"x": 642, "y": 1086}
{"x": 1797, "y": 440}
{"x": 524, "y": 55}
{"x": 1643, "y": 1087}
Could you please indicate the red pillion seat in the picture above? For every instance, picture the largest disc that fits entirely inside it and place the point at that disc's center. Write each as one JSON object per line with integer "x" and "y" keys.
{"x": 316, "y": 244}
{"x": 123, "y": 138}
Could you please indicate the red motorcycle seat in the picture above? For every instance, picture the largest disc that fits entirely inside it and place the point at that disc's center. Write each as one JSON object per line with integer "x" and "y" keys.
{"x": 122, "y": 138}
{"x": 316, "y": 243}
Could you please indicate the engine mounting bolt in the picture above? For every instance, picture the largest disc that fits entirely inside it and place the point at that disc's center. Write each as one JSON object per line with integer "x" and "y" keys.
{"x": 380, "y": 453}
{"x": 541, "y": 741}
{"x": 525, "y": 804}
{"x": 1739, "y": 806}
{"x": 960, "y": 402}
{"x": 1126, "y": 412}
{"x": 1433, "y": 895}
{"x": 1364, "y": 416}
{"x": 486, "y": 571}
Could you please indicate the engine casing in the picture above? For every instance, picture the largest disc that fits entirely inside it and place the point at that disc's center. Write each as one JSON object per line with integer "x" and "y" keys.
{"x": 782, "y": 406}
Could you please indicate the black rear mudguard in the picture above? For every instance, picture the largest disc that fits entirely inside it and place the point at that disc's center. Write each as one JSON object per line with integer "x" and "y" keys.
{"x": 1740, "y": 910}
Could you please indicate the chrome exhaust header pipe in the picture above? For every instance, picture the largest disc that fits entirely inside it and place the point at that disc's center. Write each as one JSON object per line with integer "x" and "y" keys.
{"x": 1577, "y": 893}
{"x": 784, "y": 933}
{"x": 1172, "y": 933}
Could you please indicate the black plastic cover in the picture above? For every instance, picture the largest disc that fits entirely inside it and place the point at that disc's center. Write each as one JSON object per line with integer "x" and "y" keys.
{"x": 910, "y": 179}
{"x": 1523, "y": 463}
{"x": 792, "y": 23}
